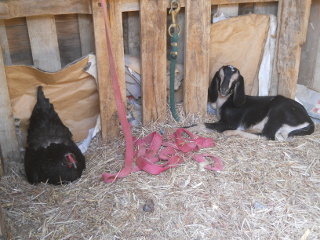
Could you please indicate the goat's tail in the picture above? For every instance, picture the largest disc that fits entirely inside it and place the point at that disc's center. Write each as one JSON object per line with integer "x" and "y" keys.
{"x": 303, "y": 131}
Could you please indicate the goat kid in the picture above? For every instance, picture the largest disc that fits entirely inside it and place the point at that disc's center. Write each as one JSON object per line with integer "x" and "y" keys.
{"x": 270, "y": 117}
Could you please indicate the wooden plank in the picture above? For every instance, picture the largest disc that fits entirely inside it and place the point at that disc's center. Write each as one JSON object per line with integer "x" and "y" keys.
{"x": 18, "y": 40}
{"x": 44, "y": 43}
{"x": 3, "y": 232}
{"x": 4, "y": 43}
{"x": 274, "y": 81}
{"x": 1, "y": 167}
{"x": 245, "y": 8}
{"x": 217, "y": 2}
{"x": 108, "y": 111}
{"x": 115, "y": 20}
{"x": 134, "y": 29}
{"x": 130, "y": 5}
{"x": 180, "y": 18}
{"x": 266, "y": 8}
{"x": 86, "y": 34}
{"x": 293, "y": 17}
{"x": 153, "y": 59}
{"x": 68, "y": 38}
{"x": 316, "y": 77}
{"x": 229, "y": 10}
{"x": 133, "y": 5}
{"x": 8, "y": 139}
{"x": 309, "y": 74}
{"x": 197, "y": 40}
{"x": 107, "y": 108}
{"x": 125, "y": 25}
{"x": 27, "y": 8}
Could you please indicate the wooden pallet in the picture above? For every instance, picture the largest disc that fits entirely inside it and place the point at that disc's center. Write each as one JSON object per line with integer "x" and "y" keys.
{"x": 293, "y": 19}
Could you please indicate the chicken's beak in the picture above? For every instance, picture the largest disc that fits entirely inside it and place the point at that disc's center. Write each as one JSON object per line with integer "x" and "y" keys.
{"x": 72, "y": 162}
{"x": 74, "y": 165}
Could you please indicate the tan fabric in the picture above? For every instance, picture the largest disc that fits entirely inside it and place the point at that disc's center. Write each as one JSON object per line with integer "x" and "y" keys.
{"x": 72, "y": 91}
{"x": 239, "y": 42}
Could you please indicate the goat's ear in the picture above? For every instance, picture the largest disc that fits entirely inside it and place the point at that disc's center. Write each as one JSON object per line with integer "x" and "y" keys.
{"x": 213, "y": 91}
{"x": 239, "y": 96}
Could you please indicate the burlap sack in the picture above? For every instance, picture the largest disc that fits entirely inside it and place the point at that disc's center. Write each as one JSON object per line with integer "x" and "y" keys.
{"x": 239, "y": 41}
{"x": 72, "y": 91}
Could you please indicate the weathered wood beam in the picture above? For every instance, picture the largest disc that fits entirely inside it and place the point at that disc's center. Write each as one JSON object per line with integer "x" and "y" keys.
{"x": 86, "y": 34}
{"x": 116, "y": 28}
{"x": 153, "y": 59}
{"x": 44, "y": 42}
{"x": 133, "y": 5}
{"x": 1, "y": 175}
{"x": 266, "y": 8}
{"x": 293, "y": 19}
{"x": 8, "y": 138}
{"x": 27, "y": 8}
{"x": 309, "y": 74}
{"x": 197, "y": 41}
{"x": 24, "y": 8}
{"x": 4, "y": 43}
{"x": 230, "y": 10}
{"x": 108, "y": 111}
{"x": 3, "y": 231}
{"x": 215, "y": 2}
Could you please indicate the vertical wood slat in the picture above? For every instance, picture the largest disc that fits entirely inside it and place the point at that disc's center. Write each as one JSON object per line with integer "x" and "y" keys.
{"x": 4, "y": 43}
{"x": 266, "y": 8}
{"x": 293, "y": 21}
{"x": 8, "y": 139}
{"x": 108, "y": 111}
{"x": 86, "y": 34}
{"x": 1, "y": 172}
{"x": 309, "y": 74}
{"x": 245, "y": 8}
{"x": 197, "y": 40}
{"x": 229, "y": 10}
{"x": 3, "y": 232}
{"x": 115, "y": 18}
{"x": 274, "y": 81}
{"x": 153, "y": 19}
{"x": 316, "y": 78}
{"x": 134, "y": 34}
{"x": 44, "y": 42}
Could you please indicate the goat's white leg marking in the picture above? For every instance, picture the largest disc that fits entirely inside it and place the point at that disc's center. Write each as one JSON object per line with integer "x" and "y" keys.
{"x": 255, "y": 128}
{"x": 200, "y": 128}
{"x": 259, "y": 126}
{"x": 285, "y": 130}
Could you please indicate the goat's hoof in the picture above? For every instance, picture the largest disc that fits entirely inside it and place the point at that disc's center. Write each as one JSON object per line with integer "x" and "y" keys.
{"x": 229, "y": 133}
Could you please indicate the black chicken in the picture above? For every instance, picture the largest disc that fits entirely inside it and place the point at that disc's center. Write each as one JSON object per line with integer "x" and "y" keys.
{"x": 51, "y": 156}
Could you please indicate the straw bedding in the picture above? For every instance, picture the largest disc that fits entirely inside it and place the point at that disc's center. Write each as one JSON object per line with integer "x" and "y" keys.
{"x": 267, "y": 190}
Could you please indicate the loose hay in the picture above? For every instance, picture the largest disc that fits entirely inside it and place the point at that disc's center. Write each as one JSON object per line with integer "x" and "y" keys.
{"x": 267, "y": 190}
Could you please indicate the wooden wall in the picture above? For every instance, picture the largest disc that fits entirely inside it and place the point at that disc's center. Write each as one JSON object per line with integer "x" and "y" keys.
{"x": 69, "y": 31}
{"x": 51, "y": 34}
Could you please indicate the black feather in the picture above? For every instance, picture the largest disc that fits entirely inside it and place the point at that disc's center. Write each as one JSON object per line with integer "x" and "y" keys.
{"x": 49, "y": 141}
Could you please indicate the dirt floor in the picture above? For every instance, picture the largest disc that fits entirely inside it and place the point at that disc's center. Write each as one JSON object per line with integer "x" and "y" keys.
{"x": 267, "y": 190}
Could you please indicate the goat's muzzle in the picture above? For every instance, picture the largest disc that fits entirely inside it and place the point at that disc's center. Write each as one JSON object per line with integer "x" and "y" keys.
{"x": 224, "y": 92}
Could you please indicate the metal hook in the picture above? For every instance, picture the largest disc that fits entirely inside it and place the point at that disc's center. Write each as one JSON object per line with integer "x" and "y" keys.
{"x": 175, "y": 8}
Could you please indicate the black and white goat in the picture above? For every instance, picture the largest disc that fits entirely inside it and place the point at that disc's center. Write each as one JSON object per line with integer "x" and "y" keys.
{"x": 271, "y": 117}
